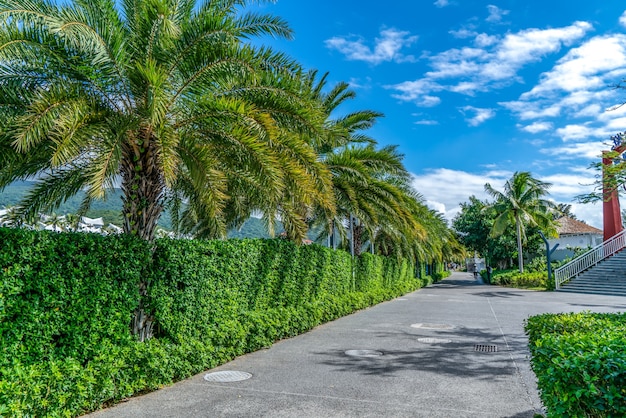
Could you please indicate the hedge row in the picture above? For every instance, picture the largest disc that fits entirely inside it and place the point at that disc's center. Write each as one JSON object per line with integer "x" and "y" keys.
{"x": 513, "y": 278}
{"x": 580, "y": 363}
{"x": 67, "y": 300}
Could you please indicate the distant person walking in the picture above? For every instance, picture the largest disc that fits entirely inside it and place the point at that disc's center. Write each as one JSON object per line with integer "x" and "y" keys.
{"x": 475, "y": 270}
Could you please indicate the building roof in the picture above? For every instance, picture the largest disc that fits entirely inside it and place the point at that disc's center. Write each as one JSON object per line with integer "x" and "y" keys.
{"x": 569, "y": 226}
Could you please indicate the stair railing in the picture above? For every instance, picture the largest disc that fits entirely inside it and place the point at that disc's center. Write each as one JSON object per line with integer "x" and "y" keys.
{"x": 589, "y": 259}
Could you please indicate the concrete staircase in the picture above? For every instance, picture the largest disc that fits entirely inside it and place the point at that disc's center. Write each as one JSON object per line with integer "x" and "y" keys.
{"x": 605, "y": 278}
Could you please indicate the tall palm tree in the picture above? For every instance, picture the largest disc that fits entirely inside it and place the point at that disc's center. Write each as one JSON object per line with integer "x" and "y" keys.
{"x": 162, "y": 97}
{"x": 521, "y": 204}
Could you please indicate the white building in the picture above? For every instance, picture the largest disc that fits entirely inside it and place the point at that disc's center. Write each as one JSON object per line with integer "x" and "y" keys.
{"x": 574, "y": 234}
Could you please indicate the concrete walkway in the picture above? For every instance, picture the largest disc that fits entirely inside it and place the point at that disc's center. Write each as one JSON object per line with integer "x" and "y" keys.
{"x": 429, "y": 367}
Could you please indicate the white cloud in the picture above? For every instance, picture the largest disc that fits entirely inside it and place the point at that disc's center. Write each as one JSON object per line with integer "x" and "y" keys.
{"x": 362, "y": 85}
{"x": 591, "y": 150}
{"x": 477, "y": 115}
{"x": 482, "y": 40}
{"x": 495, "y": 13}
{"x": 583, "y": 68}
{"x": 492, "y": 64}
{"x": 532, "y": 110}
{"x": 622, "y": 19}
{"x": 464, "y": 33}
{"x": 386, "y": 47}
{"x": 444, "y": 189}
{"x": 537, "y": 127}
{"x": 427, "y": 122}
{"x": 588, "y": 131}
{"x": 441, "y": 3}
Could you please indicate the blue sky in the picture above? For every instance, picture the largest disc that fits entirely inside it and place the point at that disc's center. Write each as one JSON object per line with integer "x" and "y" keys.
{"x": 475, "y": 90}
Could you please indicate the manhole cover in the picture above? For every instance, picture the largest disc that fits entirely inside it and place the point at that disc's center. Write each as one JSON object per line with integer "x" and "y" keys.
{"x": 429, "y": 340}
{"x": 432, "y": 326}
{"x": 364, "y": 353}
{"x": 227, "y": 376}
{"x": 486, "y": 348}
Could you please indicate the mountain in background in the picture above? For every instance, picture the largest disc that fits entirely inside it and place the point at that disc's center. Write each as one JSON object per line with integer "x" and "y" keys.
{"x": 110, "y": 210}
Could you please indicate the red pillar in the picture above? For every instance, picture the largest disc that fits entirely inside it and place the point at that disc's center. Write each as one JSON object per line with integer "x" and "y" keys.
{"x": 611, "y": 210}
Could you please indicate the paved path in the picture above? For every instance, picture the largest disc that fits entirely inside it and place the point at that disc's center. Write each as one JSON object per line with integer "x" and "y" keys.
{"x": 429, "y": 365}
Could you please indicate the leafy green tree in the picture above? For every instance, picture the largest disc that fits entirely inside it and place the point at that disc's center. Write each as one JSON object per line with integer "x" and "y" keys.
{"x": 163, "y": 97}
{"x": 520, "y": 205}
{"x": 473, "y": 225}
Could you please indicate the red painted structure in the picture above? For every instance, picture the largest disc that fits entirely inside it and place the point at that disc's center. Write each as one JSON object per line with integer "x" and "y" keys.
{"x": 611, "y": 210}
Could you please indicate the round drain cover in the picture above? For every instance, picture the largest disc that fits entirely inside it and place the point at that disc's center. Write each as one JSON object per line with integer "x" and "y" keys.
{"x": 364, "y": 353}
{"x": 433, "y": 340}
{"x": 227, "y": 376}
{"x": 432, "y": 326}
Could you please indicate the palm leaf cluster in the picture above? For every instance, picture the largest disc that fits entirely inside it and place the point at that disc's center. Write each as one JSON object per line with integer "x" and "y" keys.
{"x": 168, "y": 100}
{"x": 522, "y": 203}
{"x": 375, "y": 202}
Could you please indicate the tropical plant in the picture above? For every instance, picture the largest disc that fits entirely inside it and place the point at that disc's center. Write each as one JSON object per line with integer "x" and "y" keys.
{"x": 163, "y": 97}
{"x": 521, "y": 204}
{"x": 371, "y": 186}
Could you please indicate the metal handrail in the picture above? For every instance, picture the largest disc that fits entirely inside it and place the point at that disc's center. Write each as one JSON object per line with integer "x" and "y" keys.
{"x": 590, "y": 258}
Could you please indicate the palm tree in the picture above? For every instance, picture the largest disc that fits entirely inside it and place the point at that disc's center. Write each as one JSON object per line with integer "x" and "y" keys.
{"x": 162, "y": 97}
{"x": 55, "y": 221}
{"x": 521, "y": 203}
{"x": 564, "y": 209}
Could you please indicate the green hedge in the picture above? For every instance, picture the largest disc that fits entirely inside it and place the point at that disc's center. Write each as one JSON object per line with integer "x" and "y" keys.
{"x": 66, "y": 303}
{"x": 513, "y": 278}
{"x": 66, "y": 300}
{"x": 580, "y": 363}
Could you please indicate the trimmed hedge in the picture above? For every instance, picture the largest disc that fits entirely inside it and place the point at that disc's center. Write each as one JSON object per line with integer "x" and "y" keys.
{"x": 67, "y": 300}
{"x": 580, "y": 363}
{"x": 513, "y": 278}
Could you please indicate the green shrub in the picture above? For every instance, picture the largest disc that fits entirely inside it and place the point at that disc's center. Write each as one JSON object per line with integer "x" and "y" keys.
{"x": 67, "y": 300}
{"x": 514, "y": 278}
{"x": 66, "y": 303}
{"x": 580, "y": 363}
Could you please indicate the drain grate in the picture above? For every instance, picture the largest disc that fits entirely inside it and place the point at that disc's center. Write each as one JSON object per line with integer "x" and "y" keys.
{"x": 486, "y": 348}
{"x": 227, "y": 376}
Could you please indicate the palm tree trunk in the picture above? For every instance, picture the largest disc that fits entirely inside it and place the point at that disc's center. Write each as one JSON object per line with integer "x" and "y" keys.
{"x": 143, "y": 187}
{"x": 520, "y": 257}
{"x": 358, "y": 237}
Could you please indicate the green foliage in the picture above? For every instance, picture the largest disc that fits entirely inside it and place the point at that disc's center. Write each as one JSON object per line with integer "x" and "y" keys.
{"x": 513, "y": 278}
{"x": 522, "y": 205}
{"x": 580, "y": 363}
{"x": 67, "y": 300}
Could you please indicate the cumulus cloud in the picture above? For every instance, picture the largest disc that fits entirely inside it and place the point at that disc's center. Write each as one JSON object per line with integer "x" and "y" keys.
{"x": 583, "y": 68}
{"x": 492, "y": 63}
{"x": 590, "y": 150}
{"x": 441, "y": 3}
{"x": 622, "y": 19}
{"x": 445, "y": 189}
{"x": 386, "y": 47}
{"x": 495, "y": 13}
{"x": 537, "y": 127}
{"x": 474, "y": 116}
